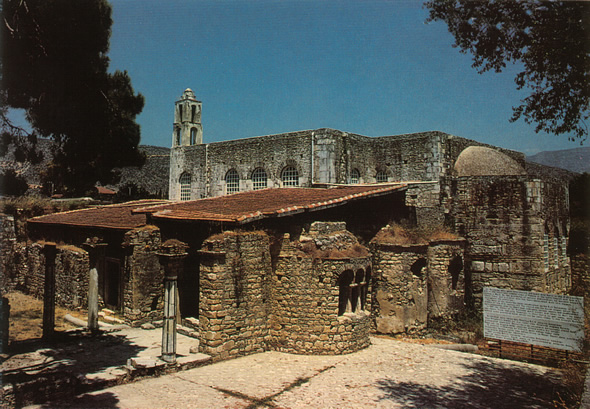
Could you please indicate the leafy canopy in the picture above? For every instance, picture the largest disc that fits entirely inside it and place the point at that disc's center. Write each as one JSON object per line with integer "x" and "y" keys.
{"x": 55, "y": 67}
{"x": 552, "y": 41}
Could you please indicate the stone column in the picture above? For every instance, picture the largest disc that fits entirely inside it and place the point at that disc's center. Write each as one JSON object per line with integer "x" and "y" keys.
{"x": 172, "y": 254}
{"x": 95, "y": 252}
{"x": 49, "y": 250}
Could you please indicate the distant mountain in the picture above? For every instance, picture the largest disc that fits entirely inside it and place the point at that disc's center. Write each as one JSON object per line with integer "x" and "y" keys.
{"x": 574, "y": 160}
{"x": 151, "y": 178}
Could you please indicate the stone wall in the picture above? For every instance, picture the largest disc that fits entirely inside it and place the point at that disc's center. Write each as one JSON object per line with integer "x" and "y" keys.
{"x": 321, "y": 156}
{"x": 8, "y": 263}
{"x": 306, "y": 298}
{"x": 143, "y": 276}
{"x": 515, "y": 231}
{"x": 400, "y": 288}
{"x": 71, "y": 273}
{"x": 234, "y": 294}
{"x": 415, "y": 283}
{"x": 447, "y": 289}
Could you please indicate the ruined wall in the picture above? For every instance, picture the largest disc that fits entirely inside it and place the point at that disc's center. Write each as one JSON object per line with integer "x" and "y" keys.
{"x": 234, "y": 294}
{"x": 313, "y": 310}
{"x": 446, "y": 279}
{"x": 8, "y": 244}
{"x": 400, "y": 288}
{"x": 515, "y": 230}
{"x": 143, "y": 276}
{"x": 71, "y": 273}
{"x": 71, "y": 277}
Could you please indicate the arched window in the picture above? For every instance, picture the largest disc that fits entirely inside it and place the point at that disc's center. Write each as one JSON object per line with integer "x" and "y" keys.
{"x": 344, "y": 282}
{"x": 232, "y": 181}
{"x": 185, "y": 186}
{"x": 381, "y": 177}
{"x": 193, "y": 135}
{"x": 355, "y": 176}
{"x": 193, "y": 112}
{"x": 259, "y": 179}
{"x": 455, "y": 268}
{"x": 180, "y": 113}
{"x": 290, "y": 176}
{"x": 178, "y": 139}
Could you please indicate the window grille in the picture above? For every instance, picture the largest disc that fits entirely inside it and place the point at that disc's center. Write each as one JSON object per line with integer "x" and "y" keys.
{"x": 259, "y": 179}
{"x": 290, "y": 176}
{"x": 381, "y": 177}
{"x": 232, "y": 181}
{"x": 185, "y": 187}
{"x": 355, "y": 177}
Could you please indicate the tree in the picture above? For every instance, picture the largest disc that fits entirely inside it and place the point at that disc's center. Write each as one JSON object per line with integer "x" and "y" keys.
{"x": 55, "y": 67}
{"x": 552, "y": 41}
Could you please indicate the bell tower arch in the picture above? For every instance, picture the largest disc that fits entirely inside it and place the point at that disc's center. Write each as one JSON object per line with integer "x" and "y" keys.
{"x": 188, "y": 129}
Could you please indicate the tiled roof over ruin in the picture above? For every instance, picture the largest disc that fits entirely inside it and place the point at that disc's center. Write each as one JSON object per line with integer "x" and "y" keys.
{"x": 118, "y": 217}
{"x": 249, "y": 206}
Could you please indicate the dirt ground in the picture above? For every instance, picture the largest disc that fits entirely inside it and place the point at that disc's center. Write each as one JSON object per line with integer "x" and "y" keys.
{"x": 26, "y": 317}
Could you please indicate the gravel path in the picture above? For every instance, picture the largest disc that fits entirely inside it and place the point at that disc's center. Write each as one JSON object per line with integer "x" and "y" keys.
{"x": 388, "y": 374}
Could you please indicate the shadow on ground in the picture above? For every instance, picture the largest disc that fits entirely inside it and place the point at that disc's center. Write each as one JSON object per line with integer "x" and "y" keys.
{"x": 39, "y": 370}
{"x": 488, "y": 384}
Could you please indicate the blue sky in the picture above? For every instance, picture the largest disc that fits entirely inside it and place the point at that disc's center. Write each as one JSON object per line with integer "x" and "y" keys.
{"x": 263, "y": 67}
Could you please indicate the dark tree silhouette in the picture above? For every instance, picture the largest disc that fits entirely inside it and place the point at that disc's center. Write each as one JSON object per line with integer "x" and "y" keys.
{"x": 552, "y": 41}
{"x": 55, "y": 67}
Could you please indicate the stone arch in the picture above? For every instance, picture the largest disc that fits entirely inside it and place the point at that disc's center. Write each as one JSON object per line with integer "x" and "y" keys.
{"x": 418, "y": 266}
{"x": 355, "y": 176}
{"x": 259, "y": 178}
{"x": 344, "y": 281}
{"x": 290, "y": 176}
{"x": 232, "y": 181}
{"x": 185, "y": 181}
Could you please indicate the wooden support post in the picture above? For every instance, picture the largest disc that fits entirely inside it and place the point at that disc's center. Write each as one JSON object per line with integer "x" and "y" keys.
{"x": 49, "y": 251}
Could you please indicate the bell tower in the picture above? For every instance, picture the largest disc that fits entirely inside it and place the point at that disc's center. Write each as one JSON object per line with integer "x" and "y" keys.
{"x": 188, "y": 129}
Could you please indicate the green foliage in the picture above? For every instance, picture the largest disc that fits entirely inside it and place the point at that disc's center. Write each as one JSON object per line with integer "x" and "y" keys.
{"x": 550, "y": 39}
{"x": 54, "y": 65}
{"x": 11, "y": 184}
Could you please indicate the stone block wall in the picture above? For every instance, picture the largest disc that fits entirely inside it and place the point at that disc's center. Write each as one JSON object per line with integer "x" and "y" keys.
{"x": 234, "y": 294}
{"x": 400, "y": 288}
{"x": 71, "y": 273}
{"x": 143, "y": 276}
{"x": 71, "y": 277}
{"x": 8, "y": 245}
{"x": 514, "y": 228}
{"x": 305, "y": 316}
{"x": 447, "y": 289}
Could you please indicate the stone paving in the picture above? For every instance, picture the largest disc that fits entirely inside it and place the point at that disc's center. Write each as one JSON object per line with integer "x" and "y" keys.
{"x": 388, "y": 374}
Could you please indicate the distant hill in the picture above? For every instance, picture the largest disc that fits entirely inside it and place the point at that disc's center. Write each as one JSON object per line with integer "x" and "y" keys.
{"x": 151, "y": 178}
{"x": 574, "y": 160}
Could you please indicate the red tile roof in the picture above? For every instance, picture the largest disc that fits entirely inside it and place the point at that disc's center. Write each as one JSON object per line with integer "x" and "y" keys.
{"x": 248, "y": 206}
{"x": 118, "y": 217}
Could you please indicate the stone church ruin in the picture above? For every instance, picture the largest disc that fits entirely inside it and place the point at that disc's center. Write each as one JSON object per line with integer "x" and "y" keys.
{"x": 284, "y": 242}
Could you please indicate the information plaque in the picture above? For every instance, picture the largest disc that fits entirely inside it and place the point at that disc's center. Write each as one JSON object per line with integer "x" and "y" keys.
{"x": 549, "y": 320}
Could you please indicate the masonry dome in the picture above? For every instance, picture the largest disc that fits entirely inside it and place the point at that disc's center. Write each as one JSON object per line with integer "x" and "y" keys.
{"x": 483, "y": 161}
